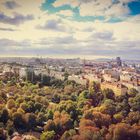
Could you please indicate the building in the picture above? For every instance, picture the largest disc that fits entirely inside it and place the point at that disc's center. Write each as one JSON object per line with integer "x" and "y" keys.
{"x": 57, "y": 75}
{"x": 132, "y": 84}
{"x": 27, "y": 73}
{"x": 110, "y": 78}
{"x": 78, "y": 79}
{"x": 118, "y": 61}
{"x": 7, "y": 68}
{"x": 116, "y": 87}
{"x": 126, "y": 77}
{"x": 93, "y": 78}
{"x": 22, "y": 72}
{"x": 110, "y": 75}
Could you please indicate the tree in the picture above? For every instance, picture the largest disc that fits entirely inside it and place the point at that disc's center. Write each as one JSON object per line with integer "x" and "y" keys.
{"x": 67, "y": 106}
{"x": 108, "y": 107}
{"x": 24, "y": 107}
{"x": 10, "y": 128}
{"x": 49, "y": 114}
{"x": 18, "y": 121}
{"x": 30, "y": 120}
{"x": 49, "y": 126}
{"x": 49, "y": 135}
{"x": 93, "y": 87}
{"x": 135, "y": 103}
{"x": 132, "y": 92}
{"x": 10, "y": 104}
{"x": 3, "y": 135}
{"x": 90, "y": 133}
{"x": 62, "y": 121}
{"x": 118, "y": 117}
{"x": 68, "y": 89}
{"x": 133, "y": 117}
{"x": 20, "y": 110}
{"x": 41, "y": 118}
{"x": 68, "y": 134}
{"x": 98, "y": 119}
{"x": 4, "y": 116}
{"x": 56, "y": 98}
{"x": 37, "y": 106}
{"x": 108, "y": 94}
{"x": 122, "y": 131}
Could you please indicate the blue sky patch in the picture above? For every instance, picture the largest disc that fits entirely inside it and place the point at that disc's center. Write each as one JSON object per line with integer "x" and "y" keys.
{"x": 134, "y": 7}
{"x": 48, "y": 6}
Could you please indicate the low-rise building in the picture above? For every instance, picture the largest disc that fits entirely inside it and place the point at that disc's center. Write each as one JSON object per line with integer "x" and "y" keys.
{"x": 132, "y": 84}
{"x": 93, "y": 78}
{"x": 7, "y": 68}
{"x": 125, "y": 77}
{"x": 22, "y": 72}
{"x": 116, "y": 87}
{"x": 57, "y": 75}
{"x": 110, "y": 78}
{"x": 78, "y": 79}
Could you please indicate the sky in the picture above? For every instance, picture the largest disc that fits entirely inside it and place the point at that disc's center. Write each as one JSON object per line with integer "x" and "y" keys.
{"x": 70, "y": 28}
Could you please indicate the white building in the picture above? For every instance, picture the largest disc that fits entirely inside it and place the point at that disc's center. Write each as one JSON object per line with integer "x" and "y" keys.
{"x": 126, "y": 77}
{"x": 22, "y": 72}
{"x": 93, "y": 77}
{"x": 78, "y": 79}
{"x": 110, "y": 75}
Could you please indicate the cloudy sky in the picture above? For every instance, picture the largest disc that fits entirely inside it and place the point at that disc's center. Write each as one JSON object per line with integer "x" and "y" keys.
{"x": 70, "y": 28}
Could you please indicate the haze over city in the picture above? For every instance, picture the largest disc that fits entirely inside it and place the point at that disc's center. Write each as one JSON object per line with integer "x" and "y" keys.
{"x": 70, "y": 28}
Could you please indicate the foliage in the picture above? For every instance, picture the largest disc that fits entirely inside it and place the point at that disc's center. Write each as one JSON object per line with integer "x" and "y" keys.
{"x": 68, "y": 111}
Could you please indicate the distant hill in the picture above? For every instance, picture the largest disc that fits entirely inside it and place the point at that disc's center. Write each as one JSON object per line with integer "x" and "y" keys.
{"x": 103, "y": 59}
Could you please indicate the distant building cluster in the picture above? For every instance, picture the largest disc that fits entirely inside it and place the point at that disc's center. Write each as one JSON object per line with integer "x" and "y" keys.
{"x": 114, "y": 74}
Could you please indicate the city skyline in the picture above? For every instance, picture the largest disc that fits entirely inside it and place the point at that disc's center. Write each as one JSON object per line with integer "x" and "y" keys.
{"x": 70, "y": 28}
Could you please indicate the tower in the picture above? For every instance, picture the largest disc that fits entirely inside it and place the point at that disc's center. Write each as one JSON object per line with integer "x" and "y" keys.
{"x": 118, "y": 61}
{"x": 84, "y": 64}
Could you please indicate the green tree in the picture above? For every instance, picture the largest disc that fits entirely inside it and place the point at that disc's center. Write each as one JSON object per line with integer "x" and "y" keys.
{"x": 18, "y": 121}
{"x": 135, "y": 103}
{"x": 68, "y": 134}
{"x": 108, "y": 94}
{"x": 49, "y": 135}
{"x": 3, "y": 135}
{"x": 30, "y": 120}
{"x": 132, "y": 92}
{"x": 49, "y": 126}
{"x": 4, "y": 116}
{"x": 10, "y": 103}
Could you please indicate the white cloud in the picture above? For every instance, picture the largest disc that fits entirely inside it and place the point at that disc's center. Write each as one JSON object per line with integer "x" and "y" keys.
{"x": 97, "y": 7}
{"x": 24, "y": 7}
{"x": 104, "y": 8}
{"x": 67, "y": 13}
{"x": 72, "y": 37}
{"x": 72, "y": 3}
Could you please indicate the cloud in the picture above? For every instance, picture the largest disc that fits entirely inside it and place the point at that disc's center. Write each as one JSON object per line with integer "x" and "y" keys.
{"x": 8, "y": 42}
{"x": 104, "y": 8}
{"x": 11, "y": 4}
{"x": 107, "y": 35}
{"x": 60, "y": 33}
{"x": 24, "y": 7}
{"x": 7, "y": 29}
{"x": 67, "y": 13}
{"x": 102, "y": 43}
{"x": 72, "y": 3}
{"x": 17, "y": 19}
{"x": 97, "y": 7}
{"x": 54, "y": 25}
{"x": 57, "y": 41}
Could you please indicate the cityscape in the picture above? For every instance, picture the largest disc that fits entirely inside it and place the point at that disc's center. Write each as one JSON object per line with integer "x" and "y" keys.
{"x": 105, "y": 87}
{"x": 69, "y": 69}
{"x": 115, "y": 74}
